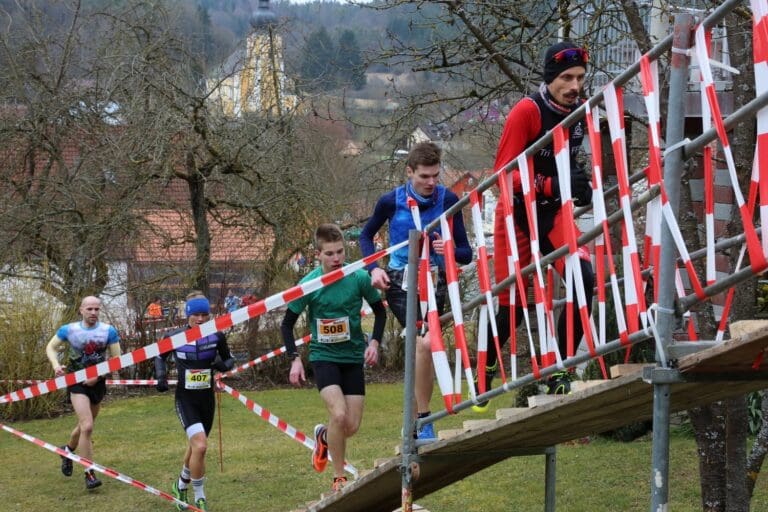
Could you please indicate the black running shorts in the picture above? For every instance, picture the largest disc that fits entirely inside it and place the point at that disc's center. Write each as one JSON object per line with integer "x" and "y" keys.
{"x": 348, "y": 376}
{"x": 397, "y": 297}
{"x": 196, "y": 407}
{"x": 95, "y": 393}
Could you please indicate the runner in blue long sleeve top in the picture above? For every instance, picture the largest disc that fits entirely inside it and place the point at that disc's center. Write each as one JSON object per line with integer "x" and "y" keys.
{"x": 423, "y": 171}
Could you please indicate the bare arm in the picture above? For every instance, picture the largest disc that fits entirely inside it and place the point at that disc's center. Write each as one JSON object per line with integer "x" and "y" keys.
{"x": 52, "y": 350}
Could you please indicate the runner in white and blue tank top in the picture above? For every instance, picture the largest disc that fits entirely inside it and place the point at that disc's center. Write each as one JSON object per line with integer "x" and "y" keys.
{"x": 83, "y": 344}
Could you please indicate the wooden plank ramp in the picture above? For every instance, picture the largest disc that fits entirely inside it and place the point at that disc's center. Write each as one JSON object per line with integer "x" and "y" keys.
{"x": 729, "y": 369}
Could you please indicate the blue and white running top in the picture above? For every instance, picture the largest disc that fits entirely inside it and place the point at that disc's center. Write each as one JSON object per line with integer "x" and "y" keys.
{"x": 87, "y": 345}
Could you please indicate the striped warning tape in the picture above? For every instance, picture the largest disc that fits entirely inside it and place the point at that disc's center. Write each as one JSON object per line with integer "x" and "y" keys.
{"x": 454, "y": 296}
{"x": 194, "y": 333}
{"x": 760, "y": 54}
{"x": 487, "y": 310}
{"x": 513, "y": 265}
{"x": 574, "y": 277}
{"x": 436, "y": 343}
{"x": 634, "y": 297}
{"x": 109, "y": 382}
{"x": 286, "y": 428}
{"x": 262, "y": 359}
{"x": 649, "y": 77}
{"x": 754, "y": 247}
{"x": 603, "y": 246}
{"x": 89, "y": 464}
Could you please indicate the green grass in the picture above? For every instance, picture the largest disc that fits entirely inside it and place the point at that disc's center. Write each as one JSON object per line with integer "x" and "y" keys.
{"x": 266, "y": 471}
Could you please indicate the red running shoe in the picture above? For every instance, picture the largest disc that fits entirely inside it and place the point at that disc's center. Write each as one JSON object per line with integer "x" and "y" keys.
{"x": 320, "y": 452}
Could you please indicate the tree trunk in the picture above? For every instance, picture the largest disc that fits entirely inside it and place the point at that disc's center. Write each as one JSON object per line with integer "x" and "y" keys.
{"x": 722, "y": 428}
{"x": 736, "y": 430}
{"x": 708, "y": 424}
{"x": 197, "y": 199}
{"x": 759, "y": 447}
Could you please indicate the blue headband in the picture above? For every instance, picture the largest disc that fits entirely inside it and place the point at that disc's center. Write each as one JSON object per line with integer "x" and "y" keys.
{"x": 198, "y": 306}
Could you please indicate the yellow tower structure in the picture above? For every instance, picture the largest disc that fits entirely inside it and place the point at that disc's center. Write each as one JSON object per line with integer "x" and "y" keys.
{"x": 253, "y": 78}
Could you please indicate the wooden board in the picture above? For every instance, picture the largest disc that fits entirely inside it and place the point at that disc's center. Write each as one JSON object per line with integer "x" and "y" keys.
{"x": 712, "y": 374}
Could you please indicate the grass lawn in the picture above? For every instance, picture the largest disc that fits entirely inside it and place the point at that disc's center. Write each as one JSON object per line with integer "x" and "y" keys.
{"x": 266, "y": 471}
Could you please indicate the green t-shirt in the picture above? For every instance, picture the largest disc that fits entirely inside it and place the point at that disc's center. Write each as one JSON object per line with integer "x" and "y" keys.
{"x": 333, "y": 315}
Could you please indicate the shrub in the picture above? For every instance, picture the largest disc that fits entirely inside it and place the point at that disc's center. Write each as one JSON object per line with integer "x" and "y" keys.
{"x": 28, "y": 322}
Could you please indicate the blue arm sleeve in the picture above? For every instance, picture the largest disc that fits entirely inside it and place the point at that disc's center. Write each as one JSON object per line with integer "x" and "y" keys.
{"x": 463, "y": 251}
{"x": 382, "y": 212}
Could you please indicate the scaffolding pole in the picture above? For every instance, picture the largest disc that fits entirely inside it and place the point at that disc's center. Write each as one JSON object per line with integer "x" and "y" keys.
{"x": 673, "y": 164}
{"x": 409, "y": 465}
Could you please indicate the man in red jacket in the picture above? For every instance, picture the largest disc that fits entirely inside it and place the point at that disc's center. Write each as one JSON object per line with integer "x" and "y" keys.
{"x": 530, "y": 119}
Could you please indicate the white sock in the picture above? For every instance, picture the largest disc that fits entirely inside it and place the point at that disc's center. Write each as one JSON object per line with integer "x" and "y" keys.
{"x": 197, "y": 486}
{"x": 184, "y": 478}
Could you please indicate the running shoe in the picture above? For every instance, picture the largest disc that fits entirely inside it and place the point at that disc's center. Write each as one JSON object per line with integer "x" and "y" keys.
{"x": 179, "y": 494}
{"x": 559, "y": 383}
{"x": 426, "y": 433}
{"x": 320, "y": 452}
{"x": 201, "y": 504}
{"x": 66, "y": 464}
{"x": 91, "y": 482}
{"x": 490, "y": 372}
{"x": 338, "y": 483}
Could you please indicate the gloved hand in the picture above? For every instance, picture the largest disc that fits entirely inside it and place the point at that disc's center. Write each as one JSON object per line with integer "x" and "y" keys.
{"x": 581, "y": 188}
{"x": 162, "y": 385}
{"x": 223, "y": 366}
{"x": 546, "y": 186}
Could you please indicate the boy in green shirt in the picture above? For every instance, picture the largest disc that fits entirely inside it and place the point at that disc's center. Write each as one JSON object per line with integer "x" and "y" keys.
{"x": 337, "y": 350}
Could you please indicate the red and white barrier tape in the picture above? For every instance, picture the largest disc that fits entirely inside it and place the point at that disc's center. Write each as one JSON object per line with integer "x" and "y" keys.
{"x": 574, "y": 275}
{"x": 603, "y": 246}
{"x": 454, "y": 296}
{"x": 754, "y": 246}
{"x": 262, "y": 359}
{"x": 544, "y": 315}
{"x": 649, "y": 79}
{"x": 513, "y": 265}
{"x": 413, "y": 206}
{"x": 634, "y": 298}
{"x": 289, "y": 430}
{"x": 436, "y": 343}
{"x": 109, "y": 382}
{"x": 89, "y": 464}
{"x": 760, "y": 52}
{"x": 486, "y": 310}
{"x": 177, "y": 340}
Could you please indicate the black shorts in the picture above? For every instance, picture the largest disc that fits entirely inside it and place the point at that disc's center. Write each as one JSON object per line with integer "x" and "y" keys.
{"x": 348, "y": 376}
{"x": 196, "y": 407}
{"x": 397, "y": 297}
{"x": 95, "y": 393}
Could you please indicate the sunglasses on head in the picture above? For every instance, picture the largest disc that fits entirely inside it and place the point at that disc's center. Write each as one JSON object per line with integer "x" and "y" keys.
{"x": 571, "y": 55}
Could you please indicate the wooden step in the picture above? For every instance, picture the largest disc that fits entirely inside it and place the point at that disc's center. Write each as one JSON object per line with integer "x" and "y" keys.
{"x": 449, "y": 433}
{"x": 743, "y": 327}
{"x": 536, "y": 400}
{"x": 509, "y": 412}
{"x": 474, "y": 424}
{"x": 415, "y": 506}
{"x": 581, "y": 385}
{"x": 620, "y": 370}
